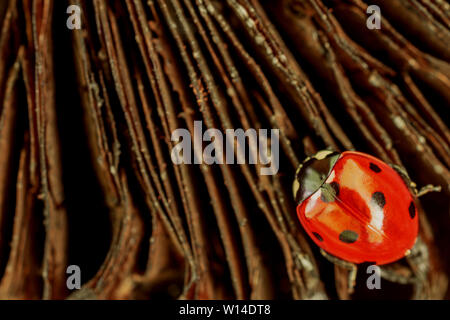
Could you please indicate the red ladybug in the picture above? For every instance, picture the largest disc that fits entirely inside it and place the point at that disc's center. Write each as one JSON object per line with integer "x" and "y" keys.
{"x": 356, "y": 207}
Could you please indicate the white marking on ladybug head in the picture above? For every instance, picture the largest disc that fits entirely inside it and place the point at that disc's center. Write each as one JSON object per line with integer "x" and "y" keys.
{"x": 295, "y": 187}
{"x": 322, "y": 154}
{"x": 298, "y": 169}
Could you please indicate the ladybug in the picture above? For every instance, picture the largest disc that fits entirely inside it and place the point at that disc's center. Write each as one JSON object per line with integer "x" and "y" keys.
{"x": 357, "y": 208}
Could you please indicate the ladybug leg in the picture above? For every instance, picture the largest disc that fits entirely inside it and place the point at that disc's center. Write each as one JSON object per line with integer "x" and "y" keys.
{"x": 418, "y": 260}
{"x": 345, "y": 264}
{"x": 416, "y": 275}
{"x": 400, "y": 275}
{"x": 428, "y": 188}
{"x": 412, "y": 185}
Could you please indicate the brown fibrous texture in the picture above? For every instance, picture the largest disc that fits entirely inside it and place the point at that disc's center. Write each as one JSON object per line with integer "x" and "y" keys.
{"x": 86, "y": 118}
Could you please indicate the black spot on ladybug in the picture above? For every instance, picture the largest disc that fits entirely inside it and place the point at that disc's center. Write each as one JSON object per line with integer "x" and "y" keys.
{"x": 348, "y": 236}
{"x": 317, "y": 236}
{"x": 374, "y": 167}
{"x": 379, "y": 199}
{"x": 329, "y": 191}
{"x": 412, "y": 210}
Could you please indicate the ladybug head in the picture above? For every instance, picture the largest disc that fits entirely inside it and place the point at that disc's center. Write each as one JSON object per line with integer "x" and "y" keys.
{"x": 312, "y": 173}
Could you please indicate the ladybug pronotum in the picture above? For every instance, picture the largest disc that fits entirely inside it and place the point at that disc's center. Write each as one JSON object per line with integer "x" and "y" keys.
{"x": 356, "y": 208}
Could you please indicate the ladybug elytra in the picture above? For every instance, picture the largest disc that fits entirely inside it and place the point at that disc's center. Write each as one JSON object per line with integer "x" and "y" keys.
{"x": 356, "y": 207}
